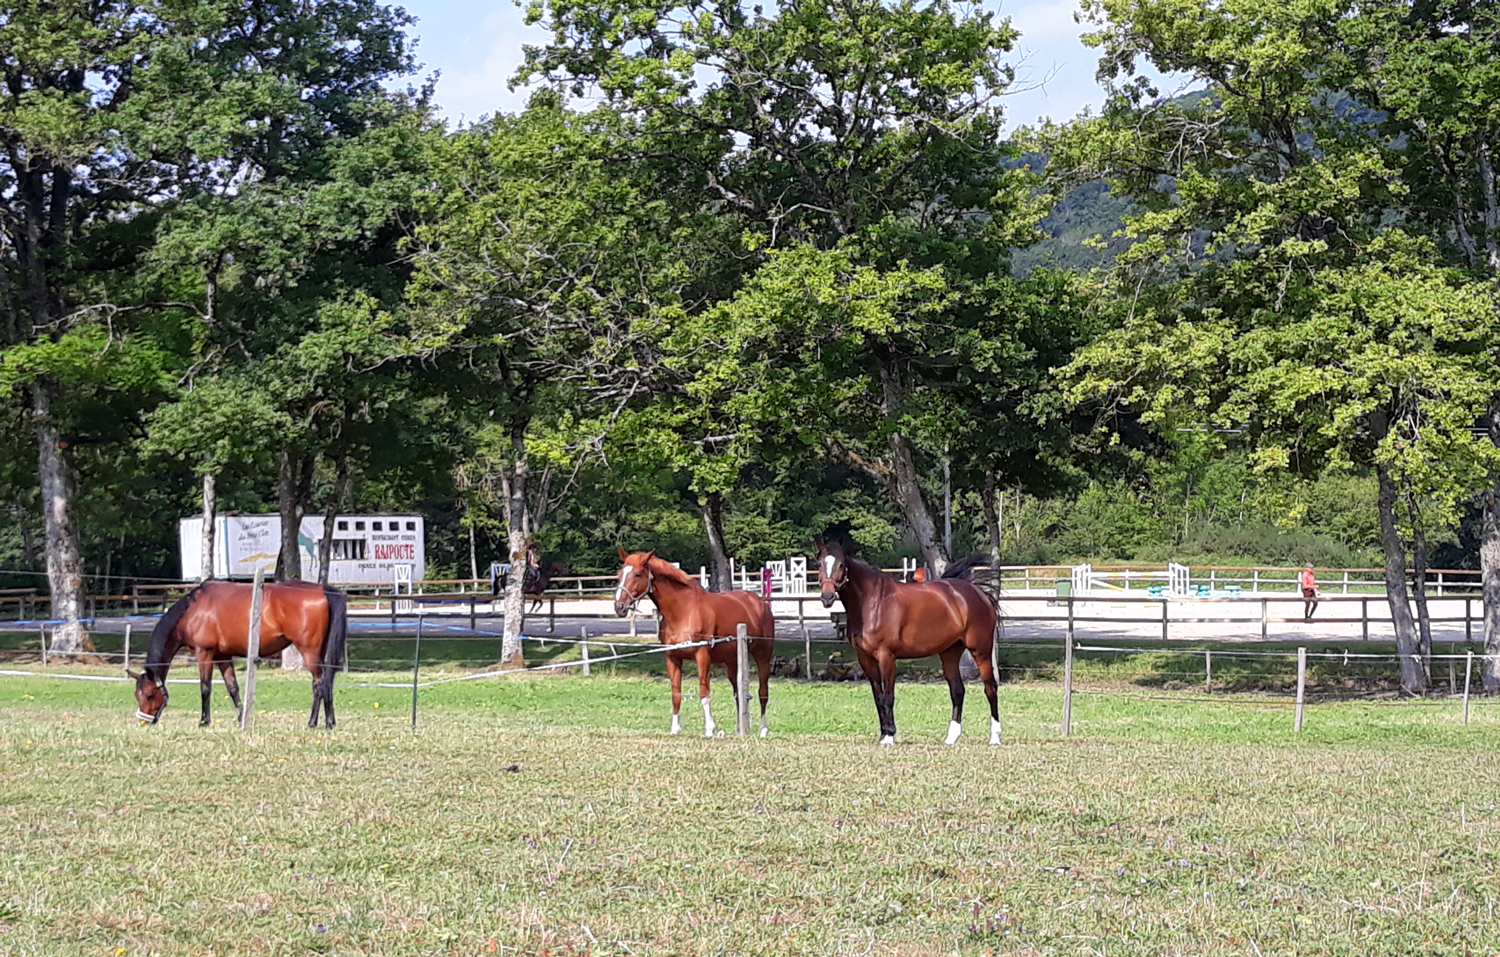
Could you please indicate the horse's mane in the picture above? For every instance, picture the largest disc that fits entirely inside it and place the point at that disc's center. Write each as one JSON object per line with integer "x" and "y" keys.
{"x": 866, "y": 566}
{"x": 665, "y": 569}
{"x": 156, "y": 662}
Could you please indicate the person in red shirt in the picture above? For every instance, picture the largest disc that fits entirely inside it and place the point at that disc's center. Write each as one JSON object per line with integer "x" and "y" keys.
{"x": 1309, "y": 592}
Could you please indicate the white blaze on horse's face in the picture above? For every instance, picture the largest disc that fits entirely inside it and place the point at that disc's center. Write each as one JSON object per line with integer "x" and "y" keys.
{"x": 623, "y": 598}
{"x": 828, "y": 587}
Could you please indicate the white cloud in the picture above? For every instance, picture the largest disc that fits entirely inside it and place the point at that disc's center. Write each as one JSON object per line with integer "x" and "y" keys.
{"x": 477, "y": 61}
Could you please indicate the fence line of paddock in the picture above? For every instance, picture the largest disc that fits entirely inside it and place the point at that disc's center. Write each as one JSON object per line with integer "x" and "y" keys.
{"x": 623, "y": 647}
{"x": 144, "y": 596}
{"x": 1066, "y": 615}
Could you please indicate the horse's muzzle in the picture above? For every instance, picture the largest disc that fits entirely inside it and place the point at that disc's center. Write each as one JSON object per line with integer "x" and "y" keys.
{"x": 622, "y": 608}
{"x": 145, "y": 718}
{"x": 829, "y": 596}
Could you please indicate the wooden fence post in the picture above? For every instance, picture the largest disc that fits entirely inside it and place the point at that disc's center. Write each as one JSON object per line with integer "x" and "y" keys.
{"x": 1468, "y": 674}
{"x": 742, "y": 685}
{"x": 1208, "y": 671}
{"x": 806, "y": 639}
{"x": 583, "y": 649}
{"x": 1468, "y": 620}
{"x": 416, "y": 667}
{"x": 1067, "y": 715}
{"x": 1364, "y": 618}
{"x": 1164, "y": 618}
{"x": 1301, "y": 683}
{"x": 1452, "y": 681}
{"x": 127, "y": 646}
{"x": 1263, "y": 614}
{"x": 252, "y": 649}
{"x": 41, "y": 630}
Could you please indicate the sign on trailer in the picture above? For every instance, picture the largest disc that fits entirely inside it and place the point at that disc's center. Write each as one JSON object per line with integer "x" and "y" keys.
{"x": 366, "y": 548}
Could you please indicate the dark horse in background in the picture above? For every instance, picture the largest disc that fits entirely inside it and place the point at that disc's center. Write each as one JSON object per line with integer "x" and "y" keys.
{"x": 889, "y": 619}
{"x": 690, "y": 614}
{"x": 538, "y": 578}
{"x": 213, "y": 622}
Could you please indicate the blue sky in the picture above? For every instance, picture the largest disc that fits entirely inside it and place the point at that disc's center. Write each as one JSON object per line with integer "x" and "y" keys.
{"x": 476, "y": 44}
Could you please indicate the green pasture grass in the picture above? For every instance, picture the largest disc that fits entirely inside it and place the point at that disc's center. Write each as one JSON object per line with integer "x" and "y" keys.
{"x": 553, "y": 815}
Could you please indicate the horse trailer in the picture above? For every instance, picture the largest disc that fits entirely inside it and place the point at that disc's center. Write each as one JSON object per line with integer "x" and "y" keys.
{"x": 366, "y": 549}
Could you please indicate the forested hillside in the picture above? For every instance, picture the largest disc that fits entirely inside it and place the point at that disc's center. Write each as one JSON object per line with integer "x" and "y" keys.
{"x": 738, "y": 276}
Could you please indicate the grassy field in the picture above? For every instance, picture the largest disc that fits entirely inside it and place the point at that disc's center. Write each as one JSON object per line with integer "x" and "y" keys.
{"x": 554, "y": 815}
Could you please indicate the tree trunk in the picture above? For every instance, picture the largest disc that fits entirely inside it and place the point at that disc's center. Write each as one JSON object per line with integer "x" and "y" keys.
{"x": 1413, "y": 675}
{"x": 1419, "y": 594}
{"x": 518, "y": 537}
{"x": 712, "y": 508}
{"x": 64, "y": 565}
{"x": 473, "y": 555}
{"x": 906, "y": 482}
{"x": 210, "y": 521}
{"x": 1489, "y": 563}
{"x": 330, "y": 518}
{"x": 293, "y": 482}
{"x": 993, "y": 519}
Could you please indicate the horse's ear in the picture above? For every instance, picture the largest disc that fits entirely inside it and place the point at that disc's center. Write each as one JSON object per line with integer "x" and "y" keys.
{"x": 651, "y": 554}
{"x": 131, "y": 674}
{"x": 623, "y": 554}
{"x": 818, "y": 542}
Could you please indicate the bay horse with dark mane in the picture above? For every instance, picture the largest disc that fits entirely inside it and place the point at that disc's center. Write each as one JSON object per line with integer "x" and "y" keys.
{"x": 889, "y": 619}
{"x": 691, "y": 614}
{"x": 213, "y": 622}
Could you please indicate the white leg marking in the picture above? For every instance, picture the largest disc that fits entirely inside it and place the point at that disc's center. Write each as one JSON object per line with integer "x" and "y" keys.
{"x": 764, "y": 730}
{"x": 708, "y": 720}
{"x": 676, "y": 724}
{"x": 994, "y": 731}
{"x": 954, "y": 730}
{"x": 888, "y": 740}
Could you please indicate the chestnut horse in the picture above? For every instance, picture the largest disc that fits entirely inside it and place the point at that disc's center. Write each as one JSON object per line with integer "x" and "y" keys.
{"x": 889, "y": 619}
{"x": 213, "y": 621}
{"x": 691, "y": 614}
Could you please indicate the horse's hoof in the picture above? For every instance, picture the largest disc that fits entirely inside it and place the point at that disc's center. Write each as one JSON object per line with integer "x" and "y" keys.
{"x": 764, "y": 732}
{"x": 954, "y": 730}
{"x": 888, "y": 741}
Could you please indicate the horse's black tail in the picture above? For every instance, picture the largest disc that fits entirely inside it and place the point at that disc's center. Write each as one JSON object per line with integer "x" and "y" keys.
{"x": 335, "y": 642}
{"x": 964, "y": 567}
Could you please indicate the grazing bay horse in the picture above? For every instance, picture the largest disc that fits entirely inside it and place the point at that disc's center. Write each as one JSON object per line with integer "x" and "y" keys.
{"x": 691, "y": 614}
{"x": 889, "y": 619}
{"x": 213, "y": 621}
